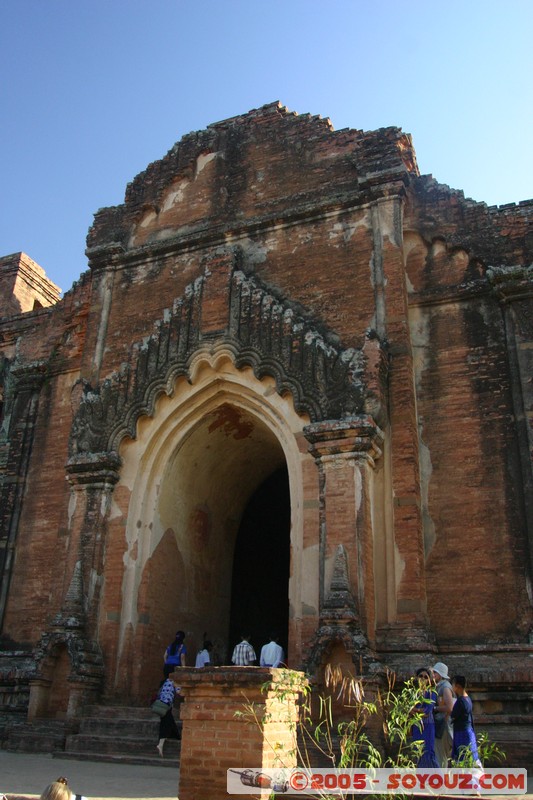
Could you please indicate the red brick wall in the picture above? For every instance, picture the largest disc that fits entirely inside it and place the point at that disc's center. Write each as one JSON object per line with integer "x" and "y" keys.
{"x": 476, "y": 547}
{"x": 306, "y": 210}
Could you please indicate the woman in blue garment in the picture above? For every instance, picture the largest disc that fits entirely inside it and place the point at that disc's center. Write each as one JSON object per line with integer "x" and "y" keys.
{"x": 464, "y": 737}
{"x": 425, "y": 730}
{"x": 175, "y": 654}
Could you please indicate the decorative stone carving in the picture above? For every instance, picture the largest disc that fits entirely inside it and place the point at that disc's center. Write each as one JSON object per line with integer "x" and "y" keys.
{"x": 339, "y": 619}
{"x": 357, "y": 437}
{"x": 95, "y": 473}
{"x": 96, "y": 470}
{"x": 68, "y": 628}
{"x": 339, "y": 603}
{"x": 22, "y": 385}
{"x": 512, "y": 283}
{"x": 263, "y": 332}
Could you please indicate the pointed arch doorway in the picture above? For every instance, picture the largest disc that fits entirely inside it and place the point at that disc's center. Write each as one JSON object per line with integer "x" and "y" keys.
{"x": 225, "y": 498}
{"x": 211, "y": 515}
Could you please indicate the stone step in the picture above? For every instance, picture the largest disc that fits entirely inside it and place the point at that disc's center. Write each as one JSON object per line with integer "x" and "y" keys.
{"x": 170, "y": 758}
{"x": 118, "y": 712}
{"x": 120, "y": 734}
{"x": 128, "y": 745}
{"x": 113, "y": 726}
{"x": 35, "y": 737}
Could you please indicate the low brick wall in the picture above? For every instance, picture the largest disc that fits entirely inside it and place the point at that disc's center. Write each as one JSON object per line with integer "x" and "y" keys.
{"x": 215, "y": 738}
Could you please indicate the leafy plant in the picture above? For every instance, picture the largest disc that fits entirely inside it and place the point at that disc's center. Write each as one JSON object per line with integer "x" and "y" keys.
{"x": 488, "y": 752}
{"x": 376, "y": 735}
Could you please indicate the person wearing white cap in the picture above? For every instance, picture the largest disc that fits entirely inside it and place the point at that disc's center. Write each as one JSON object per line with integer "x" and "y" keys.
{"x": 443, "y": 725}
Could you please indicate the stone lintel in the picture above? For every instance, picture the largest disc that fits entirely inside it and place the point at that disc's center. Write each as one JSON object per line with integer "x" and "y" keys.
{"x": 96, "y": 469}
{"x": 511, "y": 283}
{"x": 357, "y": 437}
{"x": 104, "y": 255}
{"x": 28, "y": 377}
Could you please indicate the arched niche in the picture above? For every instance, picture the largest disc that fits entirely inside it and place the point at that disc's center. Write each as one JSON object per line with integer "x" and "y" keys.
{"x": 49, "y": 695}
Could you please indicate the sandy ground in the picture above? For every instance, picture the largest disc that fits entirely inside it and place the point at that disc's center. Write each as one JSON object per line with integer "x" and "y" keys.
{"x": 27, "y": 774}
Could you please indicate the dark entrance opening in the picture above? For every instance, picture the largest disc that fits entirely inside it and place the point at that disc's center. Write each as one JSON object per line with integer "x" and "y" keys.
{"x": 261, "y": 563}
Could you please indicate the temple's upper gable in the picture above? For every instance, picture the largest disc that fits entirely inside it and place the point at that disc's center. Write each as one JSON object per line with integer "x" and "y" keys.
{"x": 255, "y": 167}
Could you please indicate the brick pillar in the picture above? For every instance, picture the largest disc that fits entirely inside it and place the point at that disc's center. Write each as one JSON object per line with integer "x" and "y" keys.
{"x": 73, "y": 629}
{"x": 21, "y": 402}
{"x": 410, "y": 626}
{"x": 514, "y": 288}
{"x": 214, "y": 739}
{"x": 92, "y": 477}
{"x": 345, "y": 452}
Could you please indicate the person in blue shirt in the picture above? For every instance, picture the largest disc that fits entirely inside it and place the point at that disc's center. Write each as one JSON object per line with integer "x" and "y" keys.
{"x": 271, "y": 654}
{"x": 175, "y": 654}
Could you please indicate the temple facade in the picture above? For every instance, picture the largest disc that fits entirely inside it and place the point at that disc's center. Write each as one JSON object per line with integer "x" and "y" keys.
{"x": 292, "y": 392}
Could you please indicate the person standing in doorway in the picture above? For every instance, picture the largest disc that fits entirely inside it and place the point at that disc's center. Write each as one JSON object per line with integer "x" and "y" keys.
{"x": 243, "y": 653}
{"x": 271, "y": 653}
{"x": 443, "y": 726}
{"x": 203, "y": 658}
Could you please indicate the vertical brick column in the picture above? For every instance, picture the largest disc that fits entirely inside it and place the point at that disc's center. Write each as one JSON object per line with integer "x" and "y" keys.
{"x": 409, "y": 627}
{"x": 514, "y": 288}
{"x": 93, "y": 477}
{"x": 21, "y": 403}
{"x": 345, "y": 451}
{"x": 215, "y": 739}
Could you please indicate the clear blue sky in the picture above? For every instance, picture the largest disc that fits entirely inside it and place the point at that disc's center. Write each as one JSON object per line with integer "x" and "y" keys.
{"x": 92, "y": 91}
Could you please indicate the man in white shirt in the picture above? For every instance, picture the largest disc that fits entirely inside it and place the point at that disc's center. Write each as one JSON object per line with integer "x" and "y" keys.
{"x": 271, "y": 653}
{"x": 203, "y": 659}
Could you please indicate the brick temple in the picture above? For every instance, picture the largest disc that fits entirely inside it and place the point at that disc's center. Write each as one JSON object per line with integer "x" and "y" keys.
{"x": 293, "y": 391}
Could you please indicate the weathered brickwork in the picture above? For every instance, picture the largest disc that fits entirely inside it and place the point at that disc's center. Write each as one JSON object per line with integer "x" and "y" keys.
{"x": 273, "y": 295}
{"x": 215, "y": 738}
{"x": 24, "y": 286}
